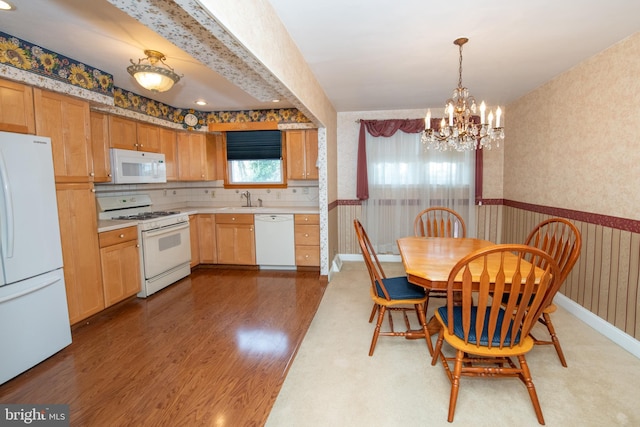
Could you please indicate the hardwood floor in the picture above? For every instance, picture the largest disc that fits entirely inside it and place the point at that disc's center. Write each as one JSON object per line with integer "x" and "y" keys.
{"x": 212, "y": 349}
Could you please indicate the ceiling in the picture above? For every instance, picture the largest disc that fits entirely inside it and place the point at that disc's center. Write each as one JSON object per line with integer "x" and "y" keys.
{"x": 366, "y": 54}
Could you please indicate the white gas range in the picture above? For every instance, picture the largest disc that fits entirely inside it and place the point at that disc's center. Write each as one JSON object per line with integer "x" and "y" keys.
{"x": 165, "y": 247}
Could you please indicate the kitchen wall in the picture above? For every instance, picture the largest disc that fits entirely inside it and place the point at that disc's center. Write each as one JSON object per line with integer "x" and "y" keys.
{"x": 213, "y": 194}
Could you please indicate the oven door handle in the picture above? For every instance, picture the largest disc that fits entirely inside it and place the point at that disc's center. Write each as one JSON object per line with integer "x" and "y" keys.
{"x": 166, "y": 229}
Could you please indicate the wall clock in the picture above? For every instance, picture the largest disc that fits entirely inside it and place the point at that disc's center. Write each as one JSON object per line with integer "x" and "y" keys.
{"x": 190, "y": 120}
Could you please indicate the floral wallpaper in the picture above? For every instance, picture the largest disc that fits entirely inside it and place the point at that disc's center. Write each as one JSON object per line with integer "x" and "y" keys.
{"x": 29, "y": 57}
{"x": 132, "y": 101}
{"x": 35, "y": 59}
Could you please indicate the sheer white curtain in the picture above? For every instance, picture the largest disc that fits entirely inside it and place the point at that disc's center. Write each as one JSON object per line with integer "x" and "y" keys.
{"x": 405, "y": 178}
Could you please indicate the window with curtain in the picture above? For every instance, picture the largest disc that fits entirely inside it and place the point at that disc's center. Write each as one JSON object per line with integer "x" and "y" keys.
{"x": 405, "y": 178}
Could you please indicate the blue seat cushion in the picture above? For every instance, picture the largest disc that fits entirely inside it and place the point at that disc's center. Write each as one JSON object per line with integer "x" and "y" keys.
{"x": 400, "y": 288}
{"x": 484, "y": 338}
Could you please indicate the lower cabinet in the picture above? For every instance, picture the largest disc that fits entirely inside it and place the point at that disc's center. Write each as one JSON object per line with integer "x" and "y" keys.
{"x": 80, "y": 250}
{"x": 307, "y": 238}
{"x": 207, "y": 238}
{"x": 194, "y": 237}
{"x": 120, "y": 261}
{"x": 235, "y": 239}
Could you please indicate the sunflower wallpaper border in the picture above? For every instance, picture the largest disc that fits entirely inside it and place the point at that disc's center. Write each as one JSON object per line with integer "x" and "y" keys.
{"x": 29, "y": 57}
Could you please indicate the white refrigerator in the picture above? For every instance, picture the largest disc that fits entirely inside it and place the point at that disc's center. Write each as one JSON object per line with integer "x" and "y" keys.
{"x": 34, "y": 321}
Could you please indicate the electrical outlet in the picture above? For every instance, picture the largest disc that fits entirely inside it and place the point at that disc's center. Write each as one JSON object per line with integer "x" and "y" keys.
{"x": 278, "y": 193}
{"x": 305, "y": 190}
{"x": 213, "y": 194}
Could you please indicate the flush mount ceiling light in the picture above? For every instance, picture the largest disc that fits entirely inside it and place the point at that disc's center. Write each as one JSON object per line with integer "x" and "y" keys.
{"x": 154, "y": 75}
{"x": 5, "y": 5}
{"x": 463, "y": 132}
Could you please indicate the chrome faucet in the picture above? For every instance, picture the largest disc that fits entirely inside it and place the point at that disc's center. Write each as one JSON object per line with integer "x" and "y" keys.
{"x": 248, "y": 196}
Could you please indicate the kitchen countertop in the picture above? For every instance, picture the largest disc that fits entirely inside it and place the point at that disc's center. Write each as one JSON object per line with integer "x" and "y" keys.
{"x": 110, "y": 224}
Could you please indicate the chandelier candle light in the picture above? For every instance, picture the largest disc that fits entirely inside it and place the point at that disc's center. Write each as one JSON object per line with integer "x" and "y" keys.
{"x": 462, "y": 133}
{"x": 152, "y": 76}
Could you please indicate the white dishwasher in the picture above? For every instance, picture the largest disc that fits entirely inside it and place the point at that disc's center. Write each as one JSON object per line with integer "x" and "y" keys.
{"x": 275, "y": 245}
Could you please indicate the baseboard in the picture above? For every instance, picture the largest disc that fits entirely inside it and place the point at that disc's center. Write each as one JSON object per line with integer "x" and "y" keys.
{"x": 358, "y": 257}
{"x": 616, "y": 335}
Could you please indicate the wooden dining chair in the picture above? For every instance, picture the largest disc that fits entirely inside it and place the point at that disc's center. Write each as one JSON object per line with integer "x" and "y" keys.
{"x": 562, "y": 240}
{"x": 391, "y": 294}
{"x": 439, "y": 222}
{"x": 486, "y": 335}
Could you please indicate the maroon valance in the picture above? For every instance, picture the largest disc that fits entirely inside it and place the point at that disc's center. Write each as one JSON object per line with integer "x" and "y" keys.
{"x": 384, "y": 128}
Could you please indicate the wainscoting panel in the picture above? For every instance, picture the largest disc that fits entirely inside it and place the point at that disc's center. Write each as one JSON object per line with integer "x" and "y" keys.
{"x": 605, "y": 278}
{"x": 347, "y": 241}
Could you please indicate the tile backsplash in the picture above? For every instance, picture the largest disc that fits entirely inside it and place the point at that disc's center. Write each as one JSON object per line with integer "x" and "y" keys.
{"x": 212, "y": 193}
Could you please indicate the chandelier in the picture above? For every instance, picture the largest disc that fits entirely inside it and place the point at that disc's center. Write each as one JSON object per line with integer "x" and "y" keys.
{"x": 462, "y": 132}
{"x": 152, "y": 76}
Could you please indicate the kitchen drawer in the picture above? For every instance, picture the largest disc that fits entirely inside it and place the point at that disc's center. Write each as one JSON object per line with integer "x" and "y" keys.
{"x": 234, "y": 218}
{"x": 308, "y": 256}
{"x": 108, "y": 238}
{"x": 307, "y": 234}
{"x": 307, "y": 219}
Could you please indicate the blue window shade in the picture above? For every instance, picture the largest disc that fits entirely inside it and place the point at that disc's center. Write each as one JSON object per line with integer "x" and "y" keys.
{"x": 254, "y": 145}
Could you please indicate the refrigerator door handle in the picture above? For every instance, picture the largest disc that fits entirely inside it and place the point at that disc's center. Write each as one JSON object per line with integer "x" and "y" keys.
{"x": 7, "y": 242}
{"x": 39, "y": 286}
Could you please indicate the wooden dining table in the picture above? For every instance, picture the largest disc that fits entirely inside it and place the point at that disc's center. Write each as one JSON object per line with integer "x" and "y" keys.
{"x": 429, "y": 260}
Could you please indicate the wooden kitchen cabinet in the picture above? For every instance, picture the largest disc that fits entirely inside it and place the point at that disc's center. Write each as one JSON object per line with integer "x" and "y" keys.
{"x": 120, "y": 261}
{"x": 80, "y": 249}
{"x": 302, "y": 153}
{"x": 124, "y": 133}
{"x": 194, "y": 237}
{"x": 16, "y": 108}
{"x": 148, "y": 137}
{"x": 207, "y": 238}
{"x": 235, "y": 239}
{"x": 192, "y": 165}
{"x": 307, "y": 239}
{"x": 100, "y": 147}
{"x": 216, "y": 156}
{"x": 169, "y": 147}
{"x": 67, "y": 122}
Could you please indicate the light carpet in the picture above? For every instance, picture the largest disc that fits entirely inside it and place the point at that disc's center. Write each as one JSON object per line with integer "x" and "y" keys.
{"x": 333, "y": 381}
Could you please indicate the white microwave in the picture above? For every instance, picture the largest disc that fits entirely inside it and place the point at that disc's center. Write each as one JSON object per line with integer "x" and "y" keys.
{"x": 137, "y": 167}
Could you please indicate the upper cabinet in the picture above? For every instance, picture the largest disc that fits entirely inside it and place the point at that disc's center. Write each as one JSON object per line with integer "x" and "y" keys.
{"x": 192, "y": 156}
{"x": 169, "y": 147}
{"x": 100, "y": 147}
{"x": 302, "y": 153}
{"x": 66, "y": 121}
{"x": 131, "y": 135}
{"x": 216, "y": 156}
{"x": 16, "y": 108}
{"x": 124, "y": 133}
{"x": 148, "y": 137}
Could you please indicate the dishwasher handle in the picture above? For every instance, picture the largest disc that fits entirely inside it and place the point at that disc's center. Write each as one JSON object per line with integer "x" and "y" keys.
{"x": 273, "y": 218}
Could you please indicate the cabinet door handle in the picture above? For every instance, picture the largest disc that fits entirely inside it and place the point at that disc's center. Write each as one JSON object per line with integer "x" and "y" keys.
{"x": 306, "y": 234}
{"x": 92, "y": 174}
{"x": 122, "y": 236}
